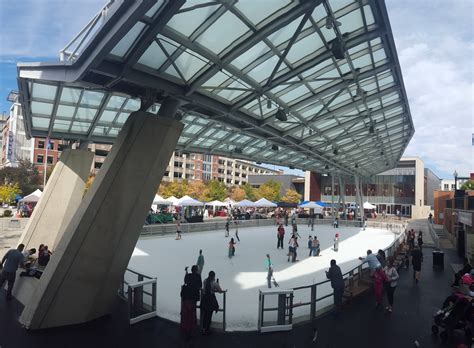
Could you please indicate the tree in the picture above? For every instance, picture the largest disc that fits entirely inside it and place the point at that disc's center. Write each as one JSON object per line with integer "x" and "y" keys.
{"x": 9, "y": 192}
{"x": 89, "y": 182}
{"x": 468, "y": 185}
{"x": 269, "y": 190}
{"x": 215, "y": 190}
{"x": 177, "y": 189}
{"x": 25, "y": 175}
{"x": 291, "y": 196}
{"x": 197, "y": 190}
{"x": 237, "y": 193}
{"x": 250, "y": 192}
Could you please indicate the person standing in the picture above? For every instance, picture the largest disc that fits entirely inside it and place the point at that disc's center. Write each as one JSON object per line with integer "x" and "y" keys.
{"x": 280, "y": 236}
{"x": 237, "y": 231}
{"x": 269, "y": 268}
{"x": 392, "y": 275}
{"x": 10, "y": 262}
{"x": 209, "y": 302}
{"x": 231, "y": 248}
{"x": 372, "y": 261}
{"x": 285, "y": 217}
{"x": 337, "y": 283}
{"x": 416, "y": 260}
{"x": 336, "y": 223}
{"x": 420, "y": 239}
{"x": 379, "y": 280}
{"x": 310, "y": 245}
{"x": 316, "y": 246}
{"x": 189, "y": 297}
{"x": 178, "y": 230}
{"x": 336, "y": 242}
{"x": 294, "y": 245}
{"x": 200, "y": 262}
{"x": 227, "y": 229}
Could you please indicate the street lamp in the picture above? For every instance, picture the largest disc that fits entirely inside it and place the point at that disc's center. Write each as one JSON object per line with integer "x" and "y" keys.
{"x": 455, "y": 174}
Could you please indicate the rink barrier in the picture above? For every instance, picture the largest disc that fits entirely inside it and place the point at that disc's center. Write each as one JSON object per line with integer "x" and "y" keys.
{"x": 132, "y": 289}
{"x": 222, "y": 310}
{"x": 165, "y": 229}
{"x": 353, "y": 279}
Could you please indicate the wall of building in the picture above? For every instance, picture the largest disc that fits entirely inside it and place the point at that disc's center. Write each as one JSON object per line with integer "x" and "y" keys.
{"x": 286, "y": 181}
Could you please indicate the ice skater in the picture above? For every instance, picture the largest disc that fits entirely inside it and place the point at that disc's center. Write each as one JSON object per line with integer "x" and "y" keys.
{"x": 200, "y": 262}
{"x": 227, "y": 229}
{"x": 336, "y": 242}
{"x": 293, "y": 247}
{"x": 231, "y": 248}
{"x": 316, "y": 247}
{"x": 237, "y": 231}
{"x": 336, "y": 223}
{"x": 178, "y": 230}
{"x": 310, "y": 245}
{"x": 269, "y": 268}
{"x": 280, "y": 236}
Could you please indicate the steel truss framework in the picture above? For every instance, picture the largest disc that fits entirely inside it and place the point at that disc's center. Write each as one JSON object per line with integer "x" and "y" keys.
{"x": 330, "y": 66}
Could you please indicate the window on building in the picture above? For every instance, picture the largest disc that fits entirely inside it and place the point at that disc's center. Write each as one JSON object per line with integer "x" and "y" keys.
{"x": 206, "y": 176}
{"x": 177, "y": 175}
{"x": 50, "y": 160}
{"x": 40, "y": 144}
{"x": 97, "y": 165}
{"x": 102, "y": 153}
{"x": 453, "y": 187}
{"x": 446, "y": 186}
{"x": 62, "y": 147}
{"x": 167, "y": 173}
{"x": 39, "y": 159}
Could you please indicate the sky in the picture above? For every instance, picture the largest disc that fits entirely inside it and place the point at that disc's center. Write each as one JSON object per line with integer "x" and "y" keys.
{"x": 434, "y": 40}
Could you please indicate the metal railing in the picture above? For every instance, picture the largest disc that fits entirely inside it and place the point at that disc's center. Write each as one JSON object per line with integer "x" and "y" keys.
{"x": 311, "y": 299}
{"x": 284, "y": 309}
{"x": 133, "y": 293}
{"x": 222, "y": 310}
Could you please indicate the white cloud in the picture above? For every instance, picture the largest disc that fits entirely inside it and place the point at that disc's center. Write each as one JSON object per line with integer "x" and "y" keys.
{"x": 436, "y": 56}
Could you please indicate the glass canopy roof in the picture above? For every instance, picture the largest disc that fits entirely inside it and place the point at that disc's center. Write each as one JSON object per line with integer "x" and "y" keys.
{"x": 310, "y": 84}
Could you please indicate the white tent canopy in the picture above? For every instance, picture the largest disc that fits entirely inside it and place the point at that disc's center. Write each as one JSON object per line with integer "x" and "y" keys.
{"x": 217, "y": 204}
{"x": 32, "y": 197}
{"x": 158, "y": 200}
{"x": 265, "y": 203}
{"x": 187, "y": 201}
{"x": 367, "y": 205}
{"x": 244, "y": 203}
{"x": 173, "y": 200}
{"x": 312, "y": 205}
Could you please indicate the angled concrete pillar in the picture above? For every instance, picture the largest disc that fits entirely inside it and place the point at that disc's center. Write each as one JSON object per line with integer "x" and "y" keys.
{"x": 83, "y": 275}
{"x": 59, "y": 201}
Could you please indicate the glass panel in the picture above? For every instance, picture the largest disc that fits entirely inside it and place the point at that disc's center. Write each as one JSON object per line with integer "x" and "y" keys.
{"x": 262, "y": 72}
{"x": 40, "y": 122}
{"x": 108, "y": 116}
{"x": 304, "y": 47}
{"x": 350, "y": 22}
{"x": 229, "y": 28}
{"x": 86, "y": 114}
{"x": 361, "y": 61}
{"x": 294, "y": 94}
{"x": 232, "y": 94}
{"x": 154, "y": 9}
{"x": 128, "y": 40}
{"x": 251, "y": 55}
{"x": 189, "y": 64}
{"x": 65, "y": 111}
{"x": 187, "y": 22}
{"x": 132, "y": 105}
{"x": 80, "y": 127}
{"x": 100, "y": 131}
{"x": 217, "y": 79}
{"x": 41, "y": 108}
{"x": 92, "y": 98}
{"x": 115, "y": 102}
{"x": 60, "y": 125}
{"x": 193, "y": 129}
{"x": 379, "y": 55}
{"x": 70, "y": 95}
{"x": 153, "y": 56}
{"x": 122, "y": 117}
{"x": 256, "y": 11}
{"x": 287, "y": 31}
{"x": 369, "y": 17}
{"x": 44, "y": 91}
{"x": 338, "y": 4}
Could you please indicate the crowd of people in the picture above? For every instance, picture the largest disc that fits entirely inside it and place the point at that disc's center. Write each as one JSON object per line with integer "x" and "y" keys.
{"x": 20, "y": 258}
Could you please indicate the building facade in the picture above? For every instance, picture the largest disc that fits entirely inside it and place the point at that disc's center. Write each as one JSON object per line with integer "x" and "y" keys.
{"x": 407, "y": 189}
{"x": 288, "y": 181}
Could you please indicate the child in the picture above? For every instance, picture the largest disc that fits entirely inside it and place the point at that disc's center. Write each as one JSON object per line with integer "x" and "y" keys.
{"x": 336, "y": 242}
{"x": 310, "y": 245}
{"x": 231, "y": 248}
{"x": 178, "y": 230}
{"x": 379, "y": 279}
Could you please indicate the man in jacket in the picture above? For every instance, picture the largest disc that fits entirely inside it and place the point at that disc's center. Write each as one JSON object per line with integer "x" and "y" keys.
{"x": 337, "y": 283}
{"x": 10, "y": 262}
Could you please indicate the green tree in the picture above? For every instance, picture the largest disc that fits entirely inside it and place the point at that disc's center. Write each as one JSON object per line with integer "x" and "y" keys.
{"x": 175, "y": 188}
{"x": 8, "y": 192}
{"x": 25, "y": 175}
{"x": 237, "y": 193}
{"x": 291, "y": 196}
{"x": 468, "y": 185}
{"x": 250, "y": 192}
{"x": 197, "y": 190}
{"x": 269, "y": 190}
{"x": 215, "y": 190}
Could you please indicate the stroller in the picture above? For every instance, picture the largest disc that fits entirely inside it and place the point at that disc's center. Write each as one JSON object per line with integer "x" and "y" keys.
{"x": 455, "y": 316}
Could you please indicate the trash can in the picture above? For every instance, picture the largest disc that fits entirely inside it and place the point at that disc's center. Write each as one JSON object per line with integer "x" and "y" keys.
{"x": 438, "y": 259}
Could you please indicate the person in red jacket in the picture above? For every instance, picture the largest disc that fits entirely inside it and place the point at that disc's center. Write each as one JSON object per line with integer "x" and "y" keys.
{"x": 280, "y": 236}
{"x": 379, "y": 279}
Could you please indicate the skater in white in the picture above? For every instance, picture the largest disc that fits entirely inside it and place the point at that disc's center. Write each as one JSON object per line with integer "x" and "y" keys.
{"x": 269, "y": 268}
{"x": 178, "y": 230}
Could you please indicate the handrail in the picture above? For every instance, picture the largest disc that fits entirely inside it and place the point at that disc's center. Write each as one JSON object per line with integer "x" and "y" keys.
{"x": 144, "y": 282}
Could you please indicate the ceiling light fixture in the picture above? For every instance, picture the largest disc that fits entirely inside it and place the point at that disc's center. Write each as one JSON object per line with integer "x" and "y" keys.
{"x": 326, "y": 167}
{"x": 337, "y": 48}
{"x": 357, "y": 166}
{"x": 269, "y": 104}
{"x": 335, "y": 151}
{"x": 360, "y": 92}
{"x": 274, "y": 148}
{"x": 281, "y": 115}
{"x": 238, "y": 150}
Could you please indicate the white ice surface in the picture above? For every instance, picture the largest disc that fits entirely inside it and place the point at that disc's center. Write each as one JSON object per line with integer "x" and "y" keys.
{"x": 244, "y": 274}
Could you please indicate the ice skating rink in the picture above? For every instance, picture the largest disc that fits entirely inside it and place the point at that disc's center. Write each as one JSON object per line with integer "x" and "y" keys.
{"x": 244, "y": 274}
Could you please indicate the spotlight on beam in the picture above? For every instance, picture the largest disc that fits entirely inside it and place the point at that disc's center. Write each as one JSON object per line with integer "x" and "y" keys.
{"x": 337, "y": 48}
{"x": 291, "y": 167}
{"x": 238, "y": 150}
{"x": 281, "y": 115}
{"x": 381, "y": 153}
{"x": 335, "y": 151}
{"x": 259, "y": 162}
{"x": 274, "y": 148}
{"x": 269, "y": 104}
{"x": 356, "y": 165}
{"x": 360, "y": 92}
{"x": 326, "y": 167}
{"x": 371, "y": 129}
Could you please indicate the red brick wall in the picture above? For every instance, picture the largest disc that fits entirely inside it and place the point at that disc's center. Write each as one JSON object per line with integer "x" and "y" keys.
{"x": 315, "y": 187}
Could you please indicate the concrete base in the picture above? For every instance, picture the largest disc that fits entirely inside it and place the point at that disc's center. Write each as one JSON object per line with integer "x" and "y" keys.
{"x": 420, "y": 212}
{"x": 24, "y": 287}
{"x": 81, "y": 280}
{"x": 59, "y": 201}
